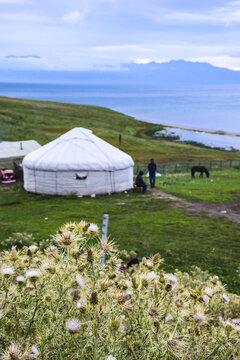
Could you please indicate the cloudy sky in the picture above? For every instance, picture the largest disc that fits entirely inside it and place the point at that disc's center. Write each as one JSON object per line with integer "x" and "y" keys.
{"x": 88, "y": 34}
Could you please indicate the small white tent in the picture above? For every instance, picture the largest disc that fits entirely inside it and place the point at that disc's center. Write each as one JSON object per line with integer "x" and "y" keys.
{"x": 78, "y": 162}
{"x": 11, "y": 151}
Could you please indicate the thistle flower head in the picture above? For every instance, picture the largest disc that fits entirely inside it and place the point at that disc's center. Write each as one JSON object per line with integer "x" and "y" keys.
{"x": 107, "y": 247}
{"x": 94, "y": 298}
{"x": 208, "y": 292}
{"x": 151, "y": 276}
{"x": 93, "y": 228}
{"x": 171, "y": 278}
{"x": 225, "y": 297}
{"x": 65, "y": 239}
{"x": 199, "y": 317}
{"x": 33, "y": 249}
{"x": 176, "y": 344}
{"x": 72, "y": 326}
{"x": 32, "y": 274}
{"x": 205, "y": 298}
{"x": 20, "y": 279}
{"x": 8, "y": 271}
{"x": 13, "y": 254}
{"x": 156, "y": 259}
{"x": 80, "y": 280}
{"x": 35, "y": 351}
{"x": 13, "y": 352}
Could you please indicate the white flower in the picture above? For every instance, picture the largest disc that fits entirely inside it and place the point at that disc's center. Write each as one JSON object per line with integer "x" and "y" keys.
{"x": 205, "y": 299}
{"x": 110, "y": 357}
{"x": 235, "y": 321}
{"x": 208, "y": 292}
{"x": 226, "y": 298}
{"x": 228, "y": 323}
{"x": 128, "y": 283}
{"x": 35, "y": 351}
{"x": 82, "y": 302}
{"x": 128, "y": 293}
{"x": 1, "y": 315}
{"x": 151, "y": 276}
{"x": 237, "y": 328}
{"x": 168, "y": 318}
{"x": 20, "y": 279}
{"x": 7, "y": 271}
{"x": 171, "y": 277}
{"x": 80, "y": 280}
{"x": 72, "y": 326}
{"x": 149, "y": 263}
{"x": 93, "y": 228}
{"x": 33, "y": 248}
{"x": 199, "y": 317}
{"x": 32, "y": 273}
{"x": 52, "y": 248}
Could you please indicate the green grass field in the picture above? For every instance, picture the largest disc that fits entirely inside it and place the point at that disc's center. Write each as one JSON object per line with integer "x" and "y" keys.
{"x": 222, "y": 186}
{"x": 137, "y": 222}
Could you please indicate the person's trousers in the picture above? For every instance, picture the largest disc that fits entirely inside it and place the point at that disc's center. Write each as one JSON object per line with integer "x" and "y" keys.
{"x": 144, "y": 188}
{"x": 152, "y": 178}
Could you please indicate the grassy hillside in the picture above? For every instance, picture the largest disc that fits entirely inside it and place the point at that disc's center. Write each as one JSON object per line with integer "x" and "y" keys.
{"x": 44, "y": 121}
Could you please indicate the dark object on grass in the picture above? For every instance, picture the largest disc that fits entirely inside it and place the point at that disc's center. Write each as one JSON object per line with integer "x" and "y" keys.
{"x": 18, "y": 171}
{"x": 140, "y": 183}
{"x": 200, "y": 169}
{"x": 129, "y": 264}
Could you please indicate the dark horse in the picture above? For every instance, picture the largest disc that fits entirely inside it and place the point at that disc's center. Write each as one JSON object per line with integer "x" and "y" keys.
{"x": 200, "y": 169}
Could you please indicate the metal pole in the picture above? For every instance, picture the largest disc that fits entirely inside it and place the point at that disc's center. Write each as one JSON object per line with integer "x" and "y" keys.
{"x": 104, "y": 235}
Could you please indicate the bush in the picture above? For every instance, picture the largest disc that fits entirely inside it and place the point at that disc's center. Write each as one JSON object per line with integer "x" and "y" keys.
{"x": 59, "y": 303}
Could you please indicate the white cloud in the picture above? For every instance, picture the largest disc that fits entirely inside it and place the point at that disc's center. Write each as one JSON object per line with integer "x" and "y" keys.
{"x": 74, "y": 17}
{"x": 224, "y": 61}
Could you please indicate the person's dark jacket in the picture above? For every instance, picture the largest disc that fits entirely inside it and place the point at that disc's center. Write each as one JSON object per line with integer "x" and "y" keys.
{"x": 152, "y": 168}
{"x": 139, "y": 181}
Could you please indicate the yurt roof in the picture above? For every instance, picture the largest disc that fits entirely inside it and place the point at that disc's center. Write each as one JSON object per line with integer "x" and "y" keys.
{"x": 9, "y": 149}
{"x": 15, "y": 150}
{"x": 78, "y": 149}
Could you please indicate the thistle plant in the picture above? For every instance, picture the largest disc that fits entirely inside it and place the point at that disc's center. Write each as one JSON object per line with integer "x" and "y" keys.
{"x": 59, "y": 303}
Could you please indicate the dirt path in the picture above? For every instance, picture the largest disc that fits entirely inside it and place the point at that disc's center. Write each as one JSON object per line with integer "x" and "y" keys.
{"x": 230, "y": 210}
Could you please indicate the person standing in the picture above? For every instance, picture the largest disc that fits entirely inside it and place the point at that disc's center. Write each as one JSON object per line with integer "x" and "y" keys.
{"x": 152, "y": 168}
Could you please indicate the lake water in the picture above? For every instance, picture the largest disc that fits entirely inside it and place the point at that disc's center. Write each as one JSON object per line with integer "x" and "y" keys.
{"x": 212, "y": 140}
{"x": 213, "y": 107}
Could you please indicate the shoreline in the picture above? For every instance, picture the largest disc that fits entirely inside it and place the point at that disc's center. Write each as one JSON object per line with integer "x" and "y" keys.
{"x": 192, "y": 128}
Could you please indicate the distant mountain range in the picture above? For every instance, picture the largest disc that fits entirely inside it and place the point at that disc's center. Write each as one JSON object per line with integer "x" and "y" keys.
{"x": 169, "y": 73}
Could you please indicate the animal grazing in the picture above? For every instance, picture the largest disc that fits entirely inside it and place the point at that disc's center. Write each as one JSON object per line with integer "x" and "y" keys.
{"x": 200, "y": 169}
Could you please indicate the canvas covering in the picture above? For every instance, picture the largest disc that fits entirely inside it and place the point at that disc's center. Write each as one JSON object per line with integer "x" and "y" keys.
{"x": 11, "y": 151}
{"x": 78, "y": 162}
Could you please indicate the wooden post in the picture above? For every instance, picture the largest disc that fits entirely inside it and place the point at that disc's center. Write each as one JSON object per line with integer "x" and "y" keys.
{"x": 104, "y": 235}
{"x": 120, "y": 140}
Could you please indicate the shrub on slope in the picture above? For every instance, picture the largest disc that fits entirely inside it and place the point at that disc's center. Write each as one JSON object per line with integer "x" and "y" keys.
{"x": 61, "y": 304}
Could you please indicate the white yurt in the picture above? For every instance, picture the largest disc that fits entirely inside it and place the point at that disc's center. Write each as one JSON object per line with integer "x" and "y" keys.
{"x": 78, "y": 162}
